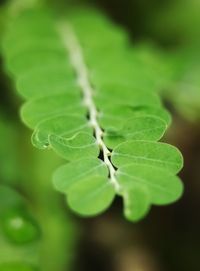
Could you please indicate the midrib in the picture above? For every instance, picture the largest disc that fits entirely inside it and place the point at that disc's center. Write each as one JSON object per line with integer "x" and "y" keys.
{"x": 72, "y": 45}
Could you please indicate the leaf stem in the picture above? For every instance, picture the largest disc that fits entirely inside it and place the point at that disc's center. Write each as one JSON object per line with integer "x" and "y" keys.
{"x": 76, "y": 56}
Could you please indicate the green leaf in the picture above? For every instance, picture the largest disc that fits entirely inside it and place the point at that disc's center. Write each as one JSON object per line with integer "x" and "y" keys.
{"x": 155, "y": 186}
{"x": 92, "y": 100}
{"x": 65, "y": 176}
{"x": 63, "y": 126}
{"x": 79, "y": 145}
{"x": 138, "y": 128}
{"x": 156, "y": 154}
{"x": 46, "y": 107}
{"x": 161, "y": 185}
{"x": 115, "y": 115}
{"x": 91, "y": 196}
{"x": 86, "y": 187}
{"x": 136, "y": 203}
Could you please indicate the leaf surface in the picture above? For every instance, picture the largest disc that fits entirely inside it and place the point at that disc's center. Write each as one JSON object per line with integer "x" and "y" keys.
{"x": 156, "y": 154}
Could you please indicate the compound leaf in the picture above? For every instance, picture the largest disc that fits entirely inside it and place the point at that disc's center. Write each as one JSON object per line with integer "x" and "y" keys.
{"x": 93, "y": 101}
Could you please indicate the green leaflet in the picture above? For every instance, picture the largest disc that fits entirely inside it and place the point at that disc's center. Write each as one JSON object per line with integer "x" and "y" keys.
{"x": 88, "y": 183}
{"x": 155, "y": 186}
{"x": 92, "y": 196}
{"x": 79, "y": 145}
{"x": 155, "y": 154}
{"x": 90, "y": 97}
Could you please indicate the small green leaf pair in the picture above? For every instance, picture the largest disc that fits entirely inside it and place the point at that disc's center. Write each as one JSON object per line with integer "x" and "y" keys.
{"x": 145, "y": 175}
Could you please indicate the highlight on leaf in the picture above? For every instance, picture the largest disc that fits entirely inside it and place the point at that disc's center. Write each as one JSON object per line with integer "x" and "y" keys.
{"x": 20, "y": 232}
{"x": 94, "y": 103}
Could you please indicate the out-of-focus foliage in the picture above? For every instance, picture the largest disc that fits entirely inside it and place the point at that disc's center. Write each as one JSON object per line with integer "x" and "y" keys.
{"x": 175, "y": 22}
{"x": 184, "y": 90}
{"x": 19, "y": 233}
{"x": 9, "y": 167}
{"x": 31, "y": 243}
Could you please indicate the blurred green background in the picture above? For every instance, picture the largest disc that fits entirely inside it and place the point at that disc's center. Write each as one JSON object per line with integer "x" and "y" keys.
{"x": 38, "y": 232}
